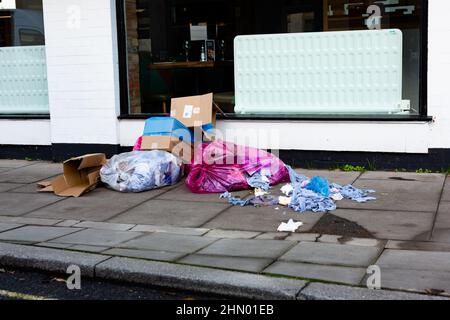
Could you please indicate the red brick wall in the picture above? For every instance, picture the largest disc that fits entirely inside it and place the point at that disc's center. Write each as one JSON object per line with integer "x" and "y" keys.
{"x": 133, "y": 57}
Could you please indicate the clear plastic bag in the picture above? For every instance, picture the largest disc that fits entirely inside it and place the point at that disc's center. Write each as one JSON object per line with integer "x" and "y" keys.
{"x": 139, "y": 171}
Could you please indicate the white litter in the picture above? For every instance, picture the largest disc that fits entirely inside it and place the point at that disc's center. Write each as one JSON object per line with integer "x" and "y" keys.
{"x": 260, "y": 192}
{"x": 291, "y": 226}
{"x": 287, "y": 189}
{"x": 284, "y": 201}
{"x": 337, "y": 197}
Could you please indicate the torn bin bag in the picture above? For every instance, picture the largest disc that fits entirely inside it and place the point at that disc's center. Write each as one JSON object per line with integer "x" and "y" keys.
{"x": 139, "y": 171}
{"x": 221, "y": 166}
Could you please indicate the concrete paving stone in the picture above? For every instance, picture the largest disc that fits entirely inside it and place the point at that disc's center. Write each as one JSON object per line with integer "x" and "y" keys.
{"x": 332, "y": 254}
{"x": 86, "y": 248}
{"x": 48, "y": 259}
{"x": 30, "y": 221}
{"x": 102, "y": 238}
{"x": 145, "y": 254}
{"x": 391, "y": 225}
{"x": 67, "y": 223}
{"x": 322, "y": 291}
{"x": 415, "y": 260}
{"x": 10, "y": 186}
{"x": 226, "y": 262}
{"x": 197, "y": 279}
{"x": 35, "y": 233}
{"x": 8, "y": 226}
{"x": 364, "y": 242}
{"x": 333, "y": 176}
{"x": 105, "y": 226}
{"x": 417, "y": 245}
{"x": 13, "y": 164}
{"x": 263, "y": 219}
{"x": 344, "y": 275}
{"x": 99, "y": 205}
{"x": 173, "y": 213}
{"x": 273, "y": 236}
{"x": 386, "y": 175}
{"x": 441, "y": 231}
{"x": 35, "y": 172}
{"x": 27, "y": 188}
{"x": 446, "y": 191}
{"x": 18, "y": 204}
{"x": 182, "y": 193}
{"x": 309, "y": 237}
{"x": 232, "y": 234}
{"x": 171, "y": 229}
{"x": 270, "y": 249}
{"x": 169, "y": 242}
{"x": 416, "y": 280}
{"x": 398, "y": 195}
{"x": 54, "y": 245}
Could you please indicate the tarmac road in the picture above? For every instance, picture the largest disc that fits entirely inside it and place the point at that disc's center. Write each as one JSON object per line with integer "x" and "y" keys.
{"x": 24, "y": 285}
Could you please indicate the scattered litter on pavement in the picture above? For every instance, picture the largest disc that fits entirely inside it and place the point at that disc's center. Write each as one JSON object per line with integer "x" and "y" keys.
{"x": 291, "y": 226}
{"x": 284, "y": 201}
{"x": 260, "y": 192}
{"x": 287, "y": 189}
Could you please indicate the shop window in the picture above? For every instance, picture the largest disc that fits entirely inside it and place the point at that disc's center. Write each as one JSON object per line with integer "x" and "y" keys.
{"x": 186, "y": 47}
{"x": 23, "y": 70}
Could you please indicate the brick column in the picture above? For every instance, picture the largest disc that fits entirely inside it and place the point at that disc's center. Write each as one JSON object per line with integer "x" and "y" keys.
{"x": 133, "y": 57}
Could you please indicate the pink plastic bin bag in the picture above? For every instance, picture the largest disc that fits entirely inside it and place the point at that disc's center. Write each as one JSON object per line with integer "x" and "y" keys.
{"x": 138, "y": 144}
{"x": 220, "y": 166}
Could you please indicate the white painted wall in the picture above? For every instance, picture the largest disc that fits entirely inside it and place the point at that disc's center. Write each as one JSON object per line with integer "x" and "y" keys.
{"x": 82, "y": 63}
{"x": 25, "y": 132}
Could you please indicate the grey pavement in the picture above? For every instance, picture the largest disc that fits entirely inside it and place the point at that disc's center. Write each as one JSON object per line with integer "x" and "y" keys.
{"x": 409, "y": 224}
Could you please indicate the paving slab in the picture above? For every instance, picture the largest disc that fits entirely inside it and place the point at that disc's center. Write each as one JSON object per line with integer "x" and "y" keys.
{"x": 418, "y": 245}
{"x": 399, "y": 195}
{"x": 170, "y": 229}
{"x": 174, "y": 213}
{"x": 67, "y": 223}
{"x": 31, "y": 221}
{"x": 446, "y": 191}
{"x": 344, "y": 275}
{"x": 263, "y": 219}
{"x": 387, "y": 175}
{"x": 364, "y": 242}
{"x": 33, "y": 173}
{"x": 48, "y": 259}
{"x": 197, "y": 279}
{"x": 102, "y": 238}
{"x": 309, "y": 237}
{"x": 335, "y": 176}
{"x": 10, "y": 186}
{"x": 19, "y": 204}
{"x": 391, "y": 225}
{"x": 54, "y": 245}
{"x": 12, "y": 164}
{"x": 231, "y": 234}
{"x": 270, "y": 249}
{"x": 322, "y": 291}
{"x": 35, "y": 233}
{"x": 86, "y": 248}
{"x": 105, "y": 225}
{"x": 415, "y": 260}
{"x": 99, "y": 205}
{"x": 8, "y": 226}
{"x": 182, "y": 193}
{"x": 226, "y": 262}
{"x": 169, "y": 242}
{"x": 416, "y": 280}
{"x": 332, "y": 254}
{"x": 145, "y": 254}
{"x": 441, "y": 231}
{"x": 273, "y": 236}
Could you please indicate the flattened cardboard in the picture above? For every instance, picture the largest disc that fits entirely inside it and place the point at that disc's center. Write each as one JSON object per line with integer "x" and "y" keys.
{"x": 194, "y": 111}
{"x": 81, "y": 175}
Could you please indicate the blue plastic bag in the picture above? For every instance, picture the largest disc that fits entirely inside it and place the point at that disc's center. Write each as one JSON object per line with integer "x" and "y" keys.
{"x": 141, "y": 171}
{"x": 319, "y": 185}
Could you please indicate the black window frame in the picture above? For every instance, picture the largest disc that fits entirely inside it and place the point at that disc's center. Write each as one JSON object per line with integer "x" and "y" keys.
{"x": 423, "y": 83}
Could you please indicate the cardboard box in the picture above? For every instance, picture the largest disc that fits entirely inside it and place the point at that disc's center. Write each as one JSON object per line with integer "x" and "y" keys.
{"x": 179, "y": 148}
{"x": 81, "y": 175}
{"x": 195, "y": 111}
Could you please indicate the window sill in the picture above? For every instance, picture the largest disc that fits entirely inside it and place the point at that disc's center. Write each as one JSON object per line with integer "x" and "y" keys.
{"x": 25, "y": 116}
{"x": 301, "y": 117}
